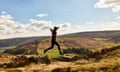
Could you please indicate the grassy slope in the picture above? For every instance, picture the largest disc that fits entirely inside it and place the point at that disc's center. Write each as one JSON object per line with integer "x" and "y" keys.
{"x": 51, "y": 53}
{"x": 110, "y": 63}
{"x": 66, "y": 42}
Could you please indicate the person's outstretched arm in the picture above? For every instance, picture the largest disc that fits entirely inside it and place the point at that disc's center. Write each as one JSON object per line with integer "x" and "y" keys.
{"x": 51, "y": 29}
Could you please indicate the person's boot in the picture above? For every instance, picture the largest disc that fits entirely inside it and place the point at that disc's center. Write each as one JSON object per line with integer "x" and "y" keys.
{"x": 61, "y": 53}
{"x": 45, "y": 51}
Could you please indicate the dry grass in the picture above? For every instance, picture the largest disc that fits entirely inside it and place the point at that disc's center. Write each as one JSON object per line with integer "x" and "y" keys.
{"x": 108, "y": 61}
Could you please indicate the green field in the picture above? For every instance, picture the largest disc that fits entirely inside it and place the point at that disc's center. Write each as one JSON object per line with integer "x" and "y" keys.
{"x": 53, "y": 53}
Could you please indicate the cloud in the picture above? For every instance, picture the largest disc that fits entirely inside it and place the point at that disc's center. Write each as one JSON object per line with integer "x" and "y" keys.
{"x": 118, "y": 17}
{"x": 64, "y": 25}
{"x": 9, "y": 28}
{"x": 116, "y": 8}
{"x": 114, "y": 4}
{"x": 110, "y": 26}
{"x": 90, "y": 22}
{"x": 42, "y": 15}
{"x": 3, "y": 12}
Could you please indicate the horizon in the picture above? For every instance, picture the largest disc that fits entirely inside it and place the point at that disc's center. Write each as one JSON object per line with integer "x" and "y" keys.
{"x": 58, "y": 35}
{"x": 24, "y": 18}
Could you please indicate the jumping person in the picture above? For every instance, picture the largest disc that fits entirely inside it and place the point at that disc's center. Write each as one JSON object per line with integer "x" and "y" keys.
{"x": 53, "y": 41}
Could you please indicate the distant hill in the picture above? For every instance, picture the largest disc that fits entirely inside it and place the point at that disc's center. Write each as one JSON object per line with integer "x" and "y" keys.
{"x": 77, "y": 48}
{"x": 113, "y": 36}
{"x": 17, "y": 41}
{"x": 105, "y": 34}
{"x": 99, "y": 39}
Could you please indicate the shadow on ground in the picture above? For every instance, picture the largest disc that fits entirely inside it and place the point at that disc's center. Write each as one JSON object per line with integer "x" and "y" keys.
{"x": 79, "y": 51}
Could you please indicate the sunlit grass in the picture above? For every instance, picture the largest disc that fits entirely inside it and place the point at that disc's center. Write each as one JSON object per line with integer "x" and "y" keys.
{"x": 9, "y": 47}
{"x": 1, "y": 50}
{"x": 53, "y": 53}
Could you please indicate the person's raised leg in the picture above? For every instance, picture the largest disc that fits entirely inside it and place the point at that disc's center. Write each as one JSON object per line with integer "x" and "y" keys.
{"x": 52, "y": 45}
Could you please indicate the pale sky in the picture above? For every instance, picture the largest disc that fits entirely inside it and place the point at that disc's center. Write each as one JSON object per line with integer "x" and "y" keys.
{"x": 24, "y": 18}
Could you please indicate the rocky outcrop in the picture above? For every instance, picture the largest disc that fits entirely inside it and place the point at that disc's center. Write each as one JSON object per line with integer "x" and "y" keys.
{"x": 23, "y": 60}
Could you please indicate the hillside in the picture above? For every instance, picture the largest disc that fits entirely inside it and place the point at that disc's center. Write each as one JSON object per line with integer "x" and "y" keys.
{"x": 110, "y": 35}
{"x": 91, "y": 40}
{"x": 17, "y": 41}
{"x": 104, "y": 60}
{"x": 103, "y": 34}
{"x": 83, "y": 52}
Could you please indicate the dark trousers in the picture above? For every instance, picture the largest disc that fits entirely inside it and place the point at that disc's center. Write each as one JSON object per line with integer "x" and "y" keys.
{"x": 53, "y": 42}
